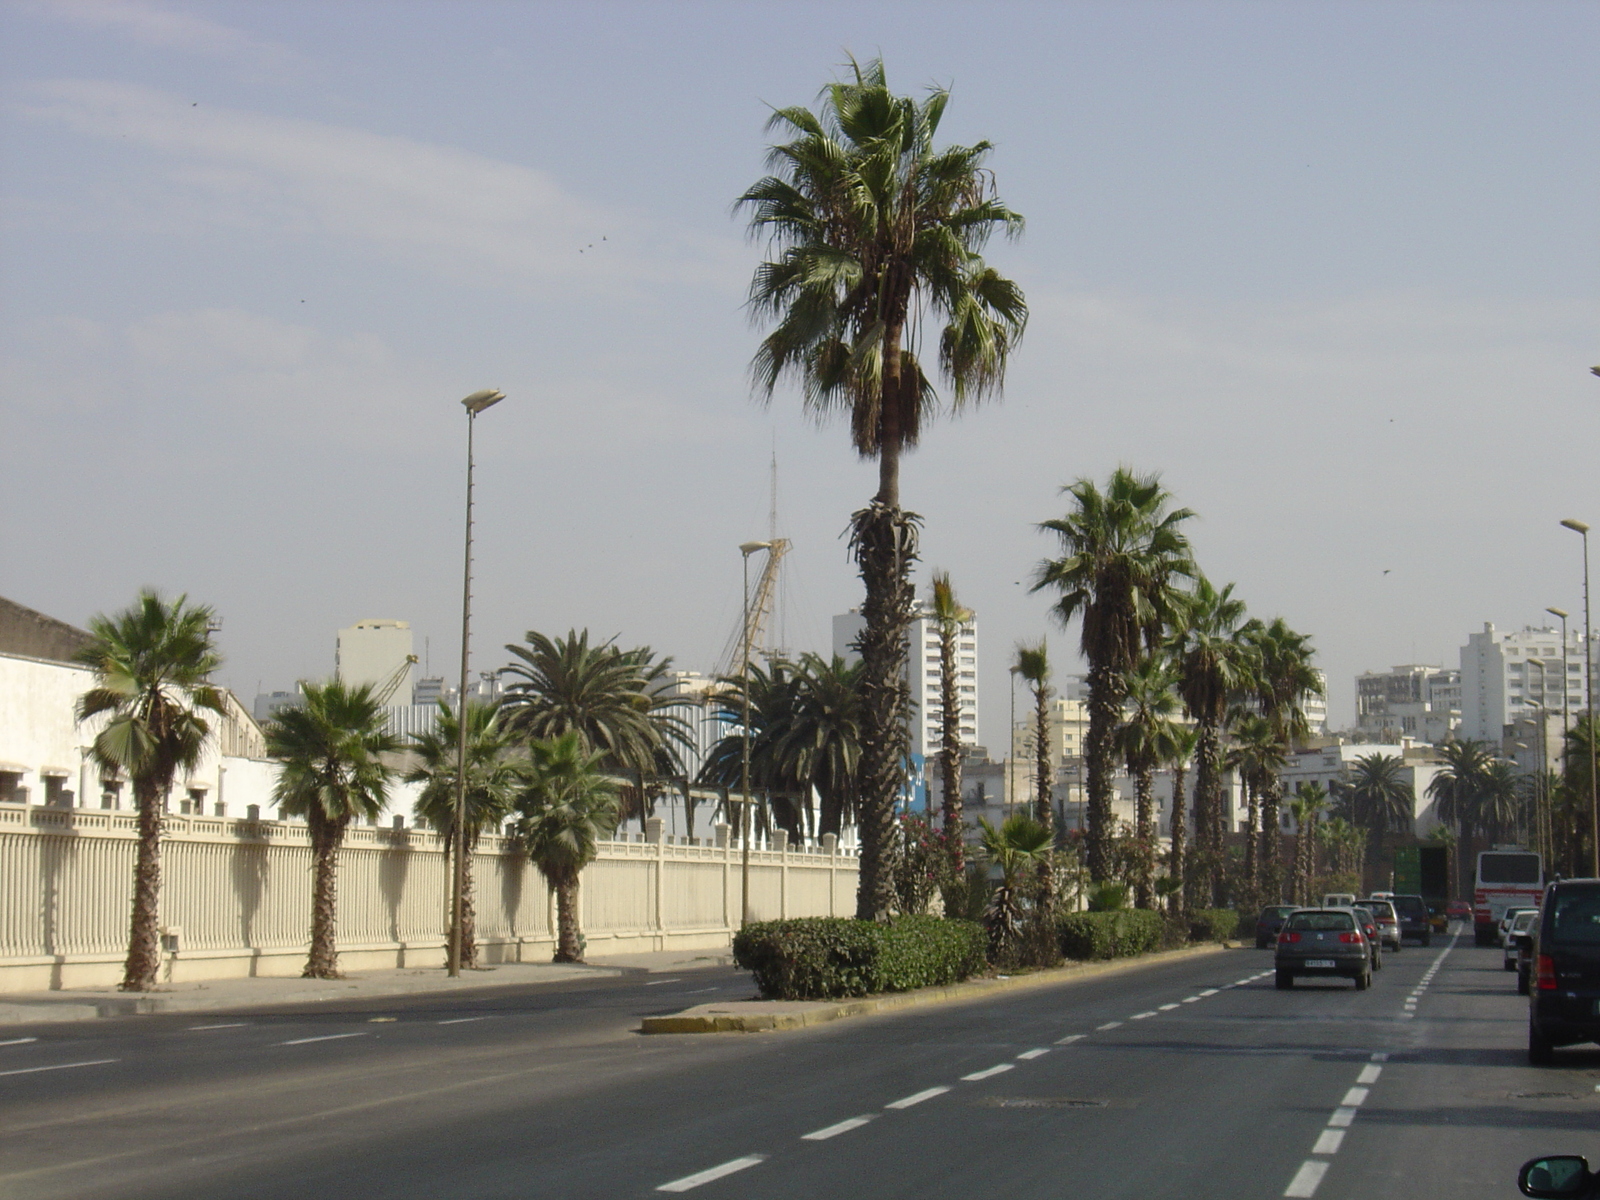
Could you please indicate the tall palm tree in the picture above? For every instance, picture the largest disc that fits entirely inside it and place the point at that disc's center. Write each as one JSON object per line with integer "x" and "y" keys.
{"x": 152, "y": 664}
{"x": 950, "y": 617}
{"x": 1147, "y": 737}
{"x": 1213, "y": 662}
{"x": 775, "y": 768}
{"x": 331, "y": 747}
{"x": 1379, "y": 798}
{"x": 492, "y": 784}
{"x": 1033, "y": 665}
{"x": 1457, "y": 788}
{"x": 1257, "y": 754}
{"x": 1306, "y": 808}
{"x": 1122, "y": 554}
{"x": 567, "y": 806}
{"x": 875, "y": 234}
{"x": 1184, "y": 738}
{"x": 1284, "y": 678}
{"x": 823, "y": 738}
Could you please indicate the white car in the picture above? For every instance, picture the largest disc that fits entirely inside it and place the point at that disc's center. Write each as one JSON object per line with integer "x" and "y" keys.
{"x": 1505, "y": 923}
{"x": 1521, "y": 922}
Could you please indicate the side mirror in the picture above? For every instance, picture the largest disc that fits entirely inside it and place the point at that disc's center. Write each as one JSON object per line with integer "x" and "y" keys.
{"x": 1557, "y": 1176}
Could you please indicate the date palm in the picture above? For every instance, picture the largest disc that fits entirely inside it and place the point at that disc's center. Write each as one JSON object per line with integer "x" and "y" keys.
{"x": 1122, "y": 555}
{"x": 1147, "y": 737}
{"x": 823, "y": 738}
{"x": 1379, "y": 797}
{"x": 1457, "y": 788}
{"x": 876, "y": 237}
{"x": 152, "y": 664}
{"x": 1283, "y": 679}
{"x": 492, "y": 784}
{"x": 1184, "y": 738}
{"x": 775, "y": 768}
{"x": 331, "y": 747}
{"x": 567, "y": 806}
{"x": 1257, "y": 754}
{"x": 1306, "y": 808}
{"x": 1502, "y": 802}
{"x": 949, "y": 617}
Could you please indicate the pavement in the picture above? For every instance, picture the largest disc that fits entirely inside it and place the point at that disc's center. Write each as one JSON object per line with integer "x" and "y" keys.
{"x": 1191, "y": 1078}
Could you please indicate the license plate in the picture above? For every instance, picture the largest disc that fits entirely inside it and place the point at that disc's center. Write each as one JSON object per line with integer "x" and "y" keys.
{"x": 1324, "y": 964}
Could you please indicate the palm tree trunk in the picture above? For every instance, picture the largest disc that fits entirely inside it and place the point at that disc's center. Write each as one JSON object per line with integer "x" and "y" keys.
{"x": 1143, "y": 786}
{"x": 1271, "y": 861}
{"x": 469, "y": 924}
{"x": 1251, "y": 828}
{"x": 569, "y": 939}
{"x": 950, "y": 752}
{"x": 323, "y": 962}
{"x": 1177, "y": 867}
{"x": 143, "y": 965}
{"x": 1104, "y": 712}
{"x": 884, "y": 542}
{"x": 1208, "y": 810}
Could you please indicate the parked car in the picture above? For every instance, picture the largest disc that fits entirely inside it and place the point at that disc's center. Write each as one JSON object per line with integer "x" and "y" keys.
{"x": 1521, "y": 923}
{"x": 1369, "y": 929}
{"x": 1503, "y": 930}
{"x": 1270, "y": 921}
{"x": 1413, "y": 914}
{"x": 1388, "y": 923}
{"x": 1323, "y": 942}
{"x": 1459, "y": 910}
{"x": 1564, "y": 1002}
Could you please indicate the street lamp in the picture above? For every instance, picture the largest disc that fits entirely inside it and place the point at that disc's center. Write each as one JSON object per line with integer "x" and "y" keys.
{"x": 1582, "y": 530}
{"x": 746, "y": 549}
{"x": 474, "y": 404}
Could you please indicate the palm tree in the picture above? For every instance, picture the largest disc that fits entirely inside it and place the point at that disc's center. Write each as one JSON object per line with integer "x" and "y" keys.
{"x": 823, "y": 739}
{"x": 1502, "y": 803}
{"x": 1122, "y": 551}
{"x": 1456, "y": 789}
{"x": 775, "y": 749}
{"x": 330, "y": 746}
{"x": 875, "y": 232}
{"x": 1147, "y": 737}
{"x": 152, "y": 663}
{"x": 1257, "y": 754}
{"x": 1213, "y": 662}
{"x": 1284, "y": 678}
{"x": 1033, "y": 665}
{"x": 1379, "y": 798}
{"x": 1306, "y": 808}
{"x": 567, "y": 806}
{"x": 1183, "y": 745}
{"x": 950, "y": 617}
{"x": 492, "y": 783}
{"x": 1019, "y": 847}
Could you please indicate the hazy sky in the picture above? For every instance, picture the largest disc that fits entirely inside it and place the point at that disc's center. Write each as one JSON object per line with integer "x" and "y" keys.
{"x": 1329, "y": 268}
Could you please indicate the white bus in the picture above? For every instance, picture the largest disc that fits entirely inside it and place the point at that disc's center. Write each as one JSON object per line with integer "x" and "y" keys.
{"x": 1506, "y": 879}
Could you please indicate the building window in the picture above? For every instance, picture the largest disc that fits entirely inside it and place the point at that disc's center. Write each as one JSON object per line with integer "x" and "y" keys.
{"x": 11, "y": 789}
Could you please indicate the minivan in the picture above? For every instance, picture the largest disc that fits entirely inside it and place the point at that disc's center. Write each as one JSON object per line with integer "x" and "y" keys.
{"x": 1564, "y": 1001}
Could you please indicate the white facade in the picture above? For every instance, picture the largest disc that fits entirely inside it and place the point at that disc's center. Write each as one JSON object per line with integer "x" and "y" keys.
{"x": 372, "y": 651}
{"x": 1414, "y": 700}
{"x": 1506, "y": 675}
{"x": 925, "y": 676}
{"x": 1329, "y": 765}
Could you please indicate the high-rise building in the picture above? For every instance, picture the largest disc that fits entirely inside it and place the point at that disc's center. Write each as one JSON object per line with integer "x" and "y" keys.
{"x": 1507, "y": 676}
{"x": 372, "y": 652}
{"x": 925, "y": 676}
{"x": 1412, "y": 700}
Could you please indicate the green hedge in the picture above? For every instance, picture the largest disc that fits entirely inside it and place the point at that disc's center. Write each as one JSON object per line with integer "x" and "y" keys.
{"x": 823, "y": 958}
{"x": 1121, "y": 934}
{"x": 1213, "y": 925}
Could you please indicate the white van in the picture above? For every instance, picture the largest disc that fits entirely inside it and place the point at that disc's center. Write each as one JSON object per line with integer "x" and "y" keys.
{"x": 1339, "y": 900}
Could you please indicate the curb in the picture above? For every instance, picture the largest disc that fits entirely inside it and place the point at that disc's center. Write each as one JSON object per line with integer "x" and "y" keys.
{"x": 723, "y": 1018}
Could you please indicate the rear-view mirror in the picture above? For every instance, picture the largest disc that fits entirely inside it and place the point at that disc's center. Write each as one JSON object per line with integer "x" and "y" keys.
{"x": 1556, "y": 1176}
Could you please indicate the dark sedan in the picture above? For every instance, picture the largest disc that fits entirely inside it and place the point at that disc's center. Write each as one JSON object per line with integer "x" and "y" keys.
{"x": 1323, "y": 941}
{"x": 1269, "y": 922}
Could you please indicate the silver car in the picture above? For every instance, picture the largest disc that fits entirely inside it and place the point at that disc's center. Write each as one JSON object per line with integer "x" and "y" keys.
{"x": 1323, "y": 941}
{"x": 1522, "y": 922}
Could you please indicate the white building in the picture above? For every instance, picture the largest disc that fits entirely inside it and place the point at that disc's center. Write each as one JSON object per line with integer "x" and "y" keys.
{"x": 375, "y": 651}
{"x": 1330, "y": 765}
{"x": 1506, "y": 676}
{"x": 925, "y": 676}
{"x": 1414, "y": 700}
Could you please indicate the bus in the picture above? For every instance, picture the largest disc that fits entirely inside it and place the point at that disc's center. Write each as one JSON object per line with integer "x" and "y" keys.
{"x": 1506, "y": 879}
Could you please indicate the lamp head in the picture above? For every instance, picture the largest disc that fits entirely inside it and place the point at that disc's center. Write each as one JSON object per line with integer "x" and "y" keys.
{"x": 1557, "y": 612}
{"x": 1575, "y": 525}
{"x": 749, "y": 548}
{"x": 479, "y": 401}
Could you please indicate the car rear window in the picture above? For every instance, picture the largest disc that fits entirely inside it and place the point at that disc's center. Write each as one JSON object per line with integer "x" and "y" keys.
{"x": 1575, "y": 917}
{"x": 1322, "y": 922}
{"x": 1523, "y": 921}
{"x": 1411, "y": 906}
{"x": 1381, "y": 909}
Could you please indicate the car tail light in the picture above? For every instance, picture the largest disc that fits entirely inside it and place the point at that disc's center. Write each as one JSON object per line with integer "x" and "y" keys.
{"x": 1350, "y": 939}
{"x": 1288, "y": 936}
{"x": 1547, "y": 973}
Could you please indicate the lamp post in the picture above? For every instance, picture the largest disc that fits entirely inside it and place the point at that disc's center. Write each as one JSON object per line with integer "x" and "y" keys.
{"x": 746, "y": 549}
{"x": 474, "y": 404}
{"x": 1566, "y": 707}
{"x": 1582, "y": 530}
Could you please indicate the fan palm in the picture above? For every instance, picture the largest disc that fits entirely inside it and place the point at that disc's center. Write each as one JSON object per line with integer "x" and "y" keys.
{"x": 1183, "y": 744}
{"x": 1306, "y": 809}
{"x": 492, "y": 783}
{"x": 876, "y": 232}
{"x": 1020, "y": 846}
{"x": 1122, "y": 553}
{"x": 152, "y": 664}
{"x": 1033, "y": 665}
{"x": 567, "y": 807}
{"x": 331, "y": 747}
{"x": 1284, "y": 678}
{"x": 1147, "y": 737}
{"x": 1257, "y": 754}
{"x": 1379, "y": 797}
{"x": 950, "y": 617}
{"x": 1456, "y": 789}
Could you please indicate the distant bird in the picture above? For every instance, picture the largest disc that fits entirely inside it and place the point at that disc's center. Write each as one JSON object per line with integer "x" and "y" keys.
{"x": 1390, "y": 569}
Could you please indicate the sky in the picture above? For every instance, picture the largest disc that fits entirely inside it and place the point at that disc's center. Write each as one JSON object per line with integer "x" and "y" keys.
{"x": 1328, "y": 268}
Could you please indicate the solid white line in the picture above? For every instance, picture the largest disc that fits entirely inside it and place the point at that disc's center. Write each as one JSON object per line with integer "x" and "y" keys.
{"x": 997, "y": 1070}
{"x": 1380, "y": 1056}
{"x": 1142, "y": 1016}
{"x": 96, "y": 1062}
{"x": 1328, "y": 1142}
{"x": 17, "y": 1041}
{"x": 1342, "y": 1117}
{"x": 1209, "y": 992}
{"x": 462, "y": 1020}
{"x": 1069, "y": 1039}
{"x": 822, "y": 1135}
{"x": 327, "y": 1037}
{"x": 1305, "y": 1181}
{"x": 1166, "y": 1008}
{"x": 226, "y": 1025}
{"x": 1108, "y": 1025}
{"x": 710, "y": 1173}
{"x": 1354, "y": 1098}
{"x": 1369, "y": 1074}
{"x": 659, "y": 982}
{"x": 917, "y": 1097}
{"x": 1028, "y": 1055}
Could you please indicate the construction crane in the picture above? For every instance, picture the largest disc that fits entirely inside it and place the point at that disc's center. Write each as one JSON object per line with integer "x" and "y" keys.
{"x": 760, "y": 609}
{"x": 392, "y": 684}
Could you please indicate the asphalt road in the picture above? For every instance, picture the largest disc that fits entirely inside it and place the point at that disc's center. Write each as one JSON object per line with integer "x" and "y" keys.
{"x": 1190, "y": 1079}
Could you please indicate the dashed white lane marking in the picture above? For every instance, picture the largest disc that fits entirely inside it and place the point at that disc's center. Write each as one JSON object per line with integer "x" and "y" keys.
{"x": 17, "y": 1041}
{"x": 1142, "y": 1016}
{"x": 1000, "y": 1069}
{"x": 710, "y": 1173}
{"x": 1166, "y": 1007}
{"x": 1328, "y": 1142}
{"x": 1069, "y": 1039}
{"x": 1369, "y": 1074}
{"x": 918, "y": 1097}
{"x": 1354, "y": 1098}
{"x": 1209, "y": 992}
{"x": 702, "y": 991}
{"x": 1107, "y": 1026}
{"x": 93, "y": 1062}
{"x": 223, "y": 1025}
{"x": 1341, "y": 1118}
{"x": 327, "y": 1037}
{"x": 833, "y": 1131}
{"x": 659, "y": 982}
{"x": 1190, "y": 999}
{"x": 1242, "y": 982}
{"x": 462, "y": 1020}
{"x": 1306, "y": 1179}
{"x": 1029, "y": 1055}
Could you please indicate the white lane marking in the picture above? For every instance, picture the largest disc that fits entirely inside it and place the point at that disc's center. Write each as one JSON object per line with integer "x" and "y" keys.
{"x": 1190, "y": 999}
{"x": 1208, "y": 992}
{"x": 1342, "y": 1117}
{"x": 1078, "y": 1037}
{"x": 710, "y": 1173}
{"x": 94, "y": 1062}
{"x": 1354, "y": 1098}
{"x": 659, "y": 982}
{"x": 1166, "y": 1008}
{"x": 918, "y": 1097}
{"x": 702, "y": 991}
{"x": 462, "y": 1020}
{"x": 1028, "y": 1055}
{"x": 1108, "y": 1025}
{"x": 1001, "y": 1069}
{"x": 1142, "y": 1016}
{"x": 1369, "y": 1074}
{"x": 223, "y": 1025}
{"x": 1305, "y": 1181}
{"x": 832, "y": 1131}
{"x": 1328, "y": 1142}
{"x": 327, "y": 1037}
{"x": 17, "y": 1041}
{"x": 1380, "y": 1056}
{"x": 1243, "y": 982}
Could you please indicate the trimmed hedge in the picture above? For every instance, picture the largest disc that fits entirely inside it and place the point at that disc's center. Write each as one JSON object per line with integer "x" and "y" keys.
{"x": 1120, "y": 934}
{"x": 825, "y": 958}
{"x": 1213, "y": 925}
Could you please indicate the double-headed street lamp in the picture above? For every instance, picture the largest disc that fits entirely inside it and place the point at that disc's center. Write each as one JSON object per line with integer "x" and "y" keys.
{"x": 474, "y": 404}
{"x": 1582, "y": 530}
{"x": 746, "y": 549}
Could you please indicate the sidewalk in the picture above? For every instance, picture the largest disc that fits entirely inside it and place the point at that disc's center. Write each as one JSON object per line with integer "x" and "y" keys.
{"x": 88, "y": 1004}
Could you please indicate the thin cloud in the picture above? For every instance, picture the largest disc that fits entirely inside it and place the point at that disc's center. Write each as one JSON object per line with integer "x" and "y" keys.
{"x": 163, "y": 28}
